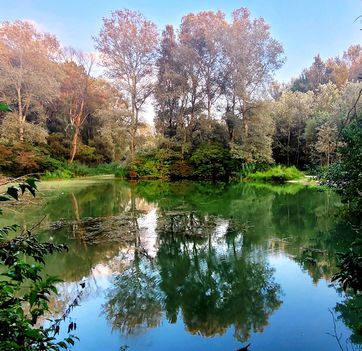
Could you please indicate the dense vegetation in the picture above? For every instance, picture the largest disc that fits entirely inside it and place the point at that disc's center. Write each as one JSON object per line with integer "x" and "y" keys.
{"x": 216, "y": 106}
{"x": 24, "y": 290}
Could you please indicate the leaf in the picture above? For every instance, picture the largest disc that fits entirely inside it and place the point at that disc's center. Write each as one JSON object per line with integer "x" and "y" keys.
{"x": 4, "y": 107}
{"x": 4, "y": 198}
{"x": 62, "y": 344}
{"x": 32, "y": 182}
{"x": 13, "y": 192}
{"x": 23, "y": 187}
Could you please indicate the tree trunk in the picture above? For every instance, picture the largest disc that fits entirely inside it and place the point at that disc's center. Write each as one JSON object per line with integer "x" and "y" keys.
{"x": 288, "y": 145}
{"x": 21, "y": 130}
{"x": 21, "y": 117}
{"x": 73, "y": 149}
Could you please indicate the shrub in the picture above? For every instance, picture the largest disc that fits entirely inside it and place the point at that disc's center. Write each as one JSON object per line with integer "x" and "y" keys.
{"x": 211, "y": 161}
{"x": 76, "y": 169}
{"x": 154, "y": 163}
{"x": 181, "y": 170}
{"x": 58, "y": 174}
{"x": 24, "y": 289}
{"x": 277, "y": 174}
{"x": 346, "y": 174}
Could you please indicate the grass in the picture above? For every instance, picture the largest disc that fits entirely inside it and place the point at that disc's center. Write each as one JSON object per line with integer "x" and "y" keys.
{"x": 73, "y": 170}
{"x": 276, "y": 174}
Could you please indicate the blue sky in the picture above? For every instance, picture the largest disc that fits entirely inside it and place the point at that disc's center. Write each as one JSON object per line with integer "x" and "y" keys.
{"x": 304, "y": 27}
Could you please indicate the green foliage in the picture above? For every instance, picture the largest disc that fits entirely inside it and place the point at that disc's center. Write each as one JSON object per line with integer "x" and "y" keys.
{"x": 76, "y": 169}
{"x": 24, "y": 291}
{"x": 346, "y": 174}
{"x": 4, "y": 107}
{"x": 350, "y": 268}
{"x": 211, "y": 161}
{"x": 181, "y": 170}
{"x": 154, "y": 163}
{"x": 58, "y": 174}
{"x": 351, "y": 314}
{"x": 120, "y": 172}
{"x": 277, "y": 174}
{"x": 21, "y": 158}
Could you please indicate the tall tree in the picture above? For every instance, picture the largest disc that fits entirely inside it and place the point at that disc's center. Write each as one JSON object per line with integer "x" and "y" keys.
{"x": 171, "y": 86}
{"x": 291, "y": 113}
{"x": 353, "y": 57}
{"x": 201, "y": 33}
{"x": 317, "y": 73}
{"x": 127, "y": 42}
{"x": 251, "y": 57}
{"x": 27, "y": 69}
{"x": 75, "y": 91}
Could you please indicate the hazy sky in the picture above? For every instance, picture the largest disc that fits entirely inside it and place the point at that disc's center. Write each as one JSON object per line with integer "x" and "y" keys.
{"x": 304, "y": 27}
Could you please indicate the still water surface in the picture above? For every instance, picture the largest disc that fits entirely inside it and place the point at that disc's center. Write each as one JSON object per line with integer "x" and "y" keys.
{"x": 195, "y": 266}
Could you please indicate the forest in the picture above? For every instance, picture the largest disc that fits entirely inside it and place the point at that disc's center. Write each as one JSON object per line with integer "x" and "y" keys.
{"x": 209, "y": 85}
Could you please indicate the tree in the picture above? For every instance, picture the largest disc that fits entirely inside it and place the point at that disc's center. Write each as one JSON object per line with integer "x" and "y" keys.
{"x": 346, "y": 174}
{"x": 170, "y": 87}
{"x": 28, "y": 71}
{"x": 127, "y": 42}
{"x": 353, "y": 57}
{"x": 291, "y": 113}
{"x": 251, "y": 57}
{"x": 75, "y": 91}
{"x": 338, "y": 71}
{"x": 317, "y": 73}
{"x": 326, "y": 142}
{"x": 256, "y": 141}
{"x": 201, "y": 33}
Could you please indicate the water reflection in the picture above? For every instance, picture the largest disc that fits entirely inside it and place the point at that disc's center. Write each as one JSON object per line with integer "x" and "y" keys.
{"x": 211, "y": 286}
{"x": 192, "y": 252}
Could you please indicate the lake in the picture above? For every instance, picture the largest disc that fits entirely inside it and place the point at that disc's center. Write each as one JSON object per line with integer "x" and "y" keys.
{"x": 195, "y": 266}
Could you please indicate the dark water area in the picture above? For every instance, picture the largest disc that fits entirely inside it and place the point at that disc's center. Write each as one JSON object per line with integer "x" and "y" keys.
{"x": 196, "y": 266}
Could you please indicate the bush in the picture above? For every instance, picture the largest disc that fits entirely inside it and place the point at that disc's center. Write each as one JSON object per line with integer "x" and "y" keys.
{"x": 22, "y": 158}
{"x": 181, "y": 170}
{"x": 276, "y": 174}
{"x": 211, "y": 161}
{"x": 76, "y": 169}
{"x": 58, "y": 174}
{"x": 154, "y": 163}
{"x": 25, "y": 289}
{"x": 346, "y": 174}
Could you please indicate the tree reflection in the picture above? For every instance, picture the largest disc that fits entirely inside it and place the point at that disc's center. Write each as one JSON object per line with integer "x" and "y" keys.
{"x": 135, "y": 302}
{"x": 350, "y": 312}
{"x": 213, "y": 286}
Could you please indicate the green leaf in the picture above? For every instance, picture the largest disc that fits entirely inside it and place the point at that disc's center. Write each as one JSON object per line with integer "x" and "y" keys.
{"x": 32, "y": 182}
{"x": 4, "y": 107}
{"x": 62, "y": 344}
{"x": 13, "y": 192}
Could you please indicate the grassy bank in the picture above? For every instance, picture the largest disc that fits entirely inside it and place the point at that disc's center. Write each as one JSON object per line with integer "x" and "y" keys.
{"x": 73, "y": 170}
{"x": 68, "y": 171}
{"x": 276, "y": 174}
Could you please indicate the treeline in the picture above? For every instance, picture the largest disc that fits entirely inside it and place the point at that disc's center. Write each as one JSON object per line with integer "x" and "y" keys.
{"x": 211, "y": 86}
